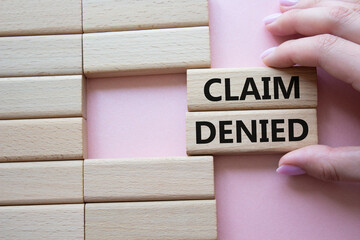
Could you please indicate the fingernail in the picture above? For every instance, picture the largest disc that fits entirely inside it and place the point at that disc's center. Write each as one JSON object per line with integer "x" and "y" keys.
{"x": 267, "y": 52}
{"x": 271, "y": 18}
{"x": 290, "y": 170}
{"x": 288, "y": 3}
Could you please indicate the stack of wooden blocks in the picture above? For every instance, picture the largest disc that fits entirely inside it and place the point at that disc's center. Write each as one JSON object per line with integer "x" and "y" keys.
{"x": 251, "y": 110}
{"x": 47, "y": 189}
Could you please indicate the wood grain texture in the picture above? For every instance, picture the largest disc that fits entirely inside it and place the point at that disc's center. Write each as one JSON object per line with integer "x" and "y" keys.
{"x": 32, "y": 17}
{"x": 146, "y": 51}
{"x": 114, "y": 15}
{"x": 39, "y": 97}
{"x": 164, "y": 220}
{"x": 60, "y": 222}
{"x": 226, "y": 141}
{"x": 40, "y": 55}
{"x": 41, "y": 182}
{"x": 231, "y": 91}
{"x": 42, "y": 139}
{"x": 172, "y": 178}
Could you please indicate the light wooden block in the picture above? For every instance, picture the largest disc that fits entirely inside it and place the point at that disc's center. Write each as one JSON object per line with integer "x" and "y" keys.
{"x": 173, "y": 178}
{"x": 42, "y": 139}
{"x": 40, "y": 55}
{"x": 251, "y": 88}
{"x": 113, "y": 15}
{"x": 32, "y": 17}
{"x": 164, "y": 220}
{"x": 39, "y": 97}
{"x": 36, "y": 222}
{"x": 265, "y": 131}
{"x": 41, "y": 182}
{"x": 144, "y": 52}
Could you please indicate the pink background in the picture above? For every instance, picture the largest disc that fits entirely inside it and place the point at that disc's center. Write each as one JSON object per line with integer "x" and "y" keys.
{"x": 145, "y": 117}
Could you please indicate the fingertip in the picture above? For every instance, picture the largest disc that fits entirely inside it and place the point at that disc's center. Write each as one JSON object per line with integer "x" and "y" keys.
{"x": 267, "y": 52}
{"x": 288, "y": 3}
{"x": 290, "y": 170}
{"x": 271, "y": 18}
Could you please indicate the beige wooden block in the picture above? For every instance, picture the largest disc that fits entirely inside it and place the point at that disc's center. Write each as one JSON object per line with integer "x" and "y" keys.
{"x": 251, "y": 88}
{"x": 233, "y": 132}
{"x": 32, "y": 17}
{"x": 40, "y": 55}
{"x": 36, "y": 222}
{"x": 172, "y": 178}
{"x": 143, "y": 52}
{"x": 114, "y": 15}
{"x": 39, "y": 97}
{"x": 42, "y": 139}
{"x": 163, "y": 220}
{"x": 41, "y": 182}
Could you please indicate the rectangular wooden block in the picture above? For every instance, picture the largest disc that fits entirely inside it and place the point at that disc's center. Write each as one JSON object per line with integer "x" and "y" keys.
{"x": 32, "y": 17}
{"x": 39, "y": 97}
{"x": 42, "y": 139}
{"x": 144, "y": 52}
{"x": 113, "y": 15}
{"x": 60, "y": 222}
{"x": 41, "y": 182}
{"x": 233, "y": 132}
{"x": 40, "y": 55}
{"x": 173, "y": 178}
{"x": 251, "y": 88}
{"x": 164, "y": 220}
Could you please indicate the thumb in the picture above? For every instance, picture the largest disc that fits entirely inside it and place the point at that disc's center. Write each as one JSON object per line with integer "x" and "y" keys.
{"x": 325, "y": 163}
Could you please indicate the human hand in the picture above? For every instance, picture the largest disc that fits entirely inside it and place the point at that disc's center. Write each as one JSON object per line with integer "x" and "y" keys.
{"x": 332, "y": 37}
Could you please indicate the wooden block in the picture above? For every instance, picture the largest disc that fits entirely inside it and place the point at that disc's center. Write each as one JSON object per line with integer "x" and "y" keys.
{"x": 151, "y": 220}
{"x": 32, "y": 17}
{"x": 41, "y": 182}
{"x": 233, "y": 132}
{"x": 146, "y": 51}
{"x": 42, "y": 139}
{"x": 64, "y": 221}
{"x": 40, "y": 55}
{"x": 113, "y": 15}
{"x": 175, "y": 178}
{"x": 38, "y": 97}
{"x": 251, "y": 88}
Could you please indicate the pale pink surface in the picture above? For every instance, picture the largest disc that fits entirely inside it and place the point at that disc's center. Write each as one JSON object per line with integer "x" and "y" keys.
{"x": 144, "y": 116}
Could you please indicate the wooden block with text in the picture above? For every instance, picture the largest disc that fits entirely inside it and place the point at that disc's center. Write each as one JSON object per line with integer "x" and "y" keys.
{"x": 112, "y": 15}
{"x": 251, "y": 88}
{"x": 143, "y": 52}
{"x": 163, "y": 220}
{"x": 58, "y": 222}
{"x": 171, "y": 178}
{"x": 42, "y": 139}
{"x": 233, "y": 132}
{"x": 41, "y": 182}
{"x": 40, "y": 55}
{"x": 33, "y": 17}
{"x": 40, "y": 97}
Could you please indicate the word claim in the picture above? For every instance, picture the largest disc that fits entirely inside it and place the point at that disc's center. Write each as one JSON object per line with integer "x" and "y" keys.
{"x": 250, "y": 89}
